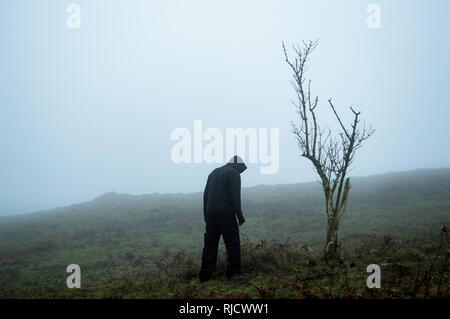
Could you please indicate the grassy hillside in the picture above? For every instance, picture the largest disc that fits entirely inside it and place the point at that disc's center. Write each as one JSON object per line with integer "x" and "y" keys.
{"x": 150, "y": 245}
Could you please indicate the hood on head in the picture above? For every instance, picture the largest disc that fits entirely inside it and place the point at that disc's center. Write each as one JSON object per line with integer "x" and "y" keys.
{"x": 237, "y": 163}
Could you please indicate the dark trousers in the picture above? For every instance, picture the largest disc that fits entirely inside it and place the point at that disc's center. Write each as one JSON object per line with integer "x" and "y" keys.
{"x": 225, "y": 224}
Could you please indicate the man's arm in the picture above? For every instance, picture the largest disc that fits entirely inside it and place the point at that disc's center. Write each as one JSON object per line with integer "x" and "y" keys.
{"x": 235, "y": 195}
{"x": 205, "y": 198}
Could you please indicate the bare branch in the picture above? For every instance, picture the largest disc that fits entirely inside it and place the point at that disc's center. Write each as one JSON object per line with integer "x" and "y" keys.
{"x": 331, "y": 155}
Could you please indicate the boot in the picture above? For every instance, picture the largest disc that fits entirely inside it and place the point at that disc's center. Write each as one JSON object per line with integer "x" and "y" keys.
{"x": 238, "y": 277}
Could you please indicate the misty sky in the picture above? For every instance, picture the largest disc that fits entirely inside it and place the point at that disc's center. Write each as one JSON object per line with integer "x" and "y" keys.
{"x": 91, "y": 110}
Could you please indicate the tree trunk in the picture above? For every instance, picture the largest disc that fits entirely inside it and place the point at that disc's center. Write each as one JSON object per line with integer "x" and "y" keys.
{"x": 331, "y": 245}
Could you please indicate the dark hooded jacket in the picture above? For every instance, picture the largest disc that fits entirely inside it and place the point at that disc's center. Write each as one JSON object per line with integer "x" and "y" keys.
{"x": 223, "y": 189}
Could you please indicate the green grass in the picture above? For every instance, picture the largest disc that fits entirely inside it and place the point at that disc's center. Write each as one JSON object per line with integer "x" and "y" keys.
{"x": 149, "y": 246}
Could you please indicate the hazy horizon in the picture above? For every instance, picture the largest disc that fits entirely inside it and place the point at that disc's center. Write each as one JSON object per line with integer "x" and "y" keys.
{"x": 197, "y": 191}
{"x": 91, "y": 110}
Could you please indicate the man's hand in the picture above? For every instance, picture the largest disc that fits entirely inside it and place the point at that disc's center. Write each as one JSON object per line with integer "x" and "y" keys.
{"x": 241, "y": 221}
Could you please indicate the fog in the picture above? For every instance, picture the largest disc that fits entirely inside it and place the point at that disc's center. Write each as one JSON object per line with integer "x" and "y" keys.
{"x": 91, "y": 110}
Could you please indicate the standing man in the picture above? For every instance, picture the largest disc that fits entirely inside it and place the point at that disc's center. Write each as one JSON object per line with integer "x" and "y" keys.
{"x": 221, "y": 207}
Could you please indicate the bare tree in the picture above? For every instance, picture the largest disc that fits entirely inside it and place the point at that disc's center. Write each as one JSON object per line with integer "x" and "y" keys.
{"x": 331, "y": 154}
